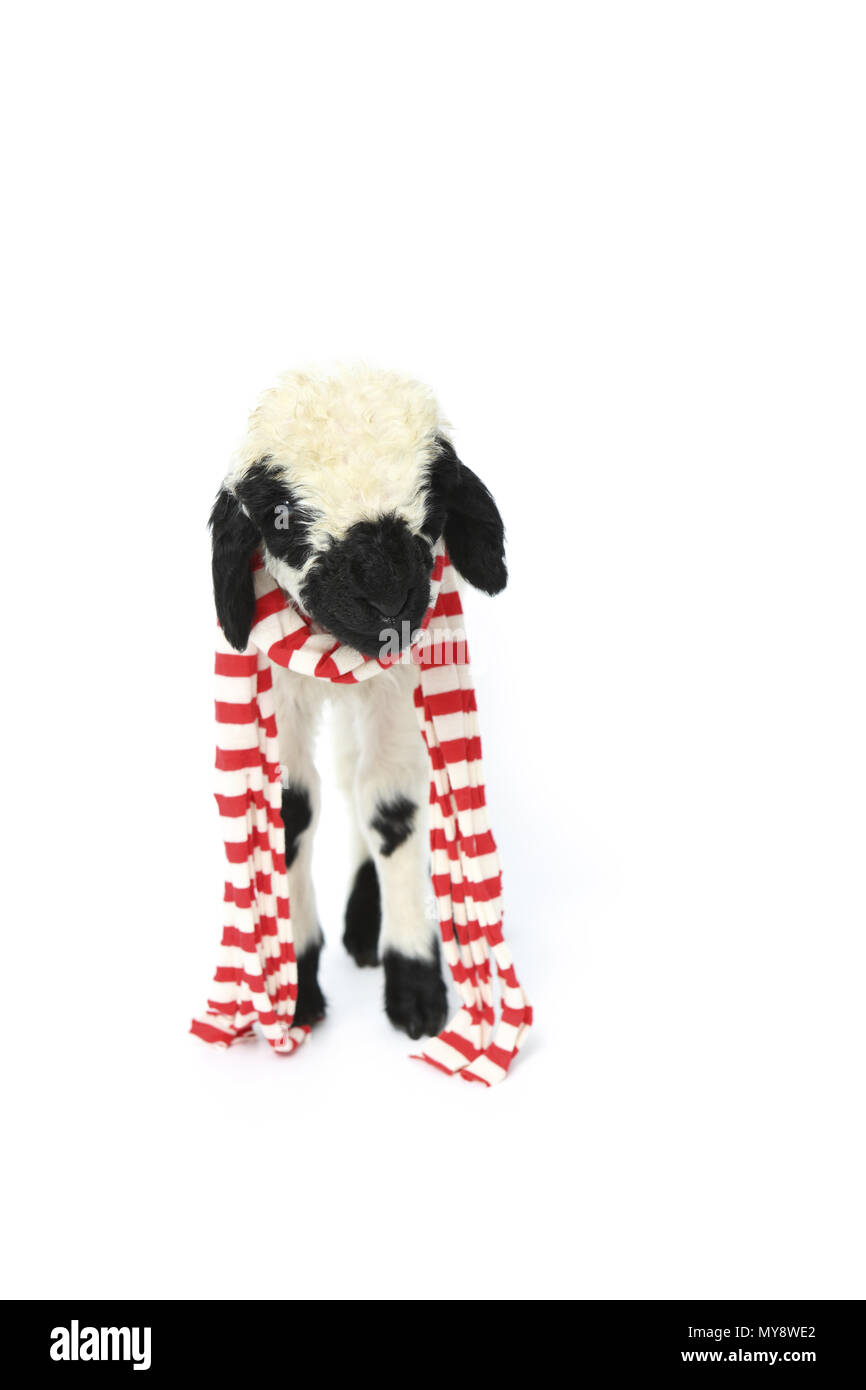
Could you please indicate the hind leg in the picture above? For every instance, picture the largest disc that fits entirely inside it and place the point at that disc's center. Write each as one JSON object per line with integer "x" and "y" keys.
{"x": 364, "y": 915}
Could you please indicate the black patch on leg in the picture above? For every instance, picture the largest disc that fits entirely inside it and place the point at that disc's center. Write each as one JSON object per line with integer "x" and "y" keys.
{"x": 415, "y": 997}
{"x": 310, "y": 1003}
{"x": 297, "y": 815}
{"x": 394, "y": 821}
{"x": 363, "y": 914}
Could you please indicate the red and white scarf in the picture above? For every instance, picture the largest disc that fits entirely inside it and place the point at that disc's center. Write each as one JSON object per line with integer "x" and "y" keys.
{"x": 256, "y": 979}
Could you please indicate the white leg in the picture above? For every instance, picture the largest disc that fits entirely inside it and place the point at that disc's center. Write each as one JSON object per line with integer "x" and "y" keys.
{"x": 391, "y": 795}
{"x": 391, "y": 791}
{"x": 363, "y": 907}
{"x": 298, "y": 704}
{"x": 346, "y": 753}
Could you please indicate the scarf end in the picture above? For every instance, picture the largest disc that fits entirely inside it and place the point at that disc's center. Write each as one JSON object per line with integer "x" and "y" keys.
{"x": 216, "y": 1030}
{"x": 457, "y": 1054}
{"x": 289, "y": 1040}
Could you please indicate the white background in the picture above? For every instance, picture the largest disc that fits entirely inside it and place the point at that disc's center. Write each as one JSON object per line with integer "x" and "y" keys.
{"x": 625, "y": 244}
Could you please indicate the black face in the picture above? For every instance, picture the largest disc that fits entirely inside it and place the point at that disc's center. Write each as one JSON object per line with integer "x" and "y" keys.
{"x": 372, "y": 583}
{"x": 372, "y": 586}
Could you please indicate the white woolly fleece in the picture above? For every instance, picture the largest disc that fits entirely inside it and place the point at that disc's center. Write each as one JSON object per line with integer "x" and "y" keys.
{"x": 354, "y": 443}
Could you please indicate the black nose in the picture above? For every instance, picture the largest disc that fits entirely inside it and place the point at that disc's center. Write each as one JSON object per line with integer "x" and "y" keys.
{"x": 388, "y": 602}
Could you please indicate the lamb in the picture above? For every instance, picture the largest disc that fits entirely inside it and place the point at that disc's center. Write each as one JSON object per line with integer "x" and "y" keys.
{"x": 345, "y": 482}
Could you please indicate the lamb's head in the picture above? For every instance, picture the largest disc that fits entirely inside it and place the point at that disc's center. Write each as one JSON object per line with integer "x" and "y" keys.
{"x": 346, "y": 481}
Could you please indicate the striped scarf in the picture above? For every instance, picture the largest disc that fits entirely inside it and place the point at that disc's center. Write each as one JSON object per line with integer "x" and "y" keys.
{"x": 256, "y": 978}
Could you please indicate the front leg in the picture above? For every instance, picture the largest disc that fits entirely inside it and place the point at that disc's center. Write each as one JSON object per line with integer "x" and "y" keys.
{"x": 297, "y": 708}
{"x": 392, "y": 788}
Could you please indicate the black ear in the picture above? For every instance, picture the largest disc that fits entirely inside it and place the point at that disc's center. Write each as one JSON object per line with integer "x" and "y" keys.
{"x": 235, "y": 538}
{"x": 474, "y": 533}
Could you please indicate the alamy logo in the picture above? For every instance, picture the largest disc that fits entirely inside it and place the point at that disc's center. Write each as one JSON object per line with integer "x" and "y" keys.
{"x": 76, "y": 1343}
{"x": 439, "y": 646}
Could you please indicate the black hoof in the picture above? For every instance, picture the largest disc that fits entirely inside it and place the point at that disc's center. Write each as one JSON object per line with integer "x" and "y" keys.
{"x": 415, "y": 996}
{"x": 361, "y": 937}
{"x": 310, "y": 1004}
